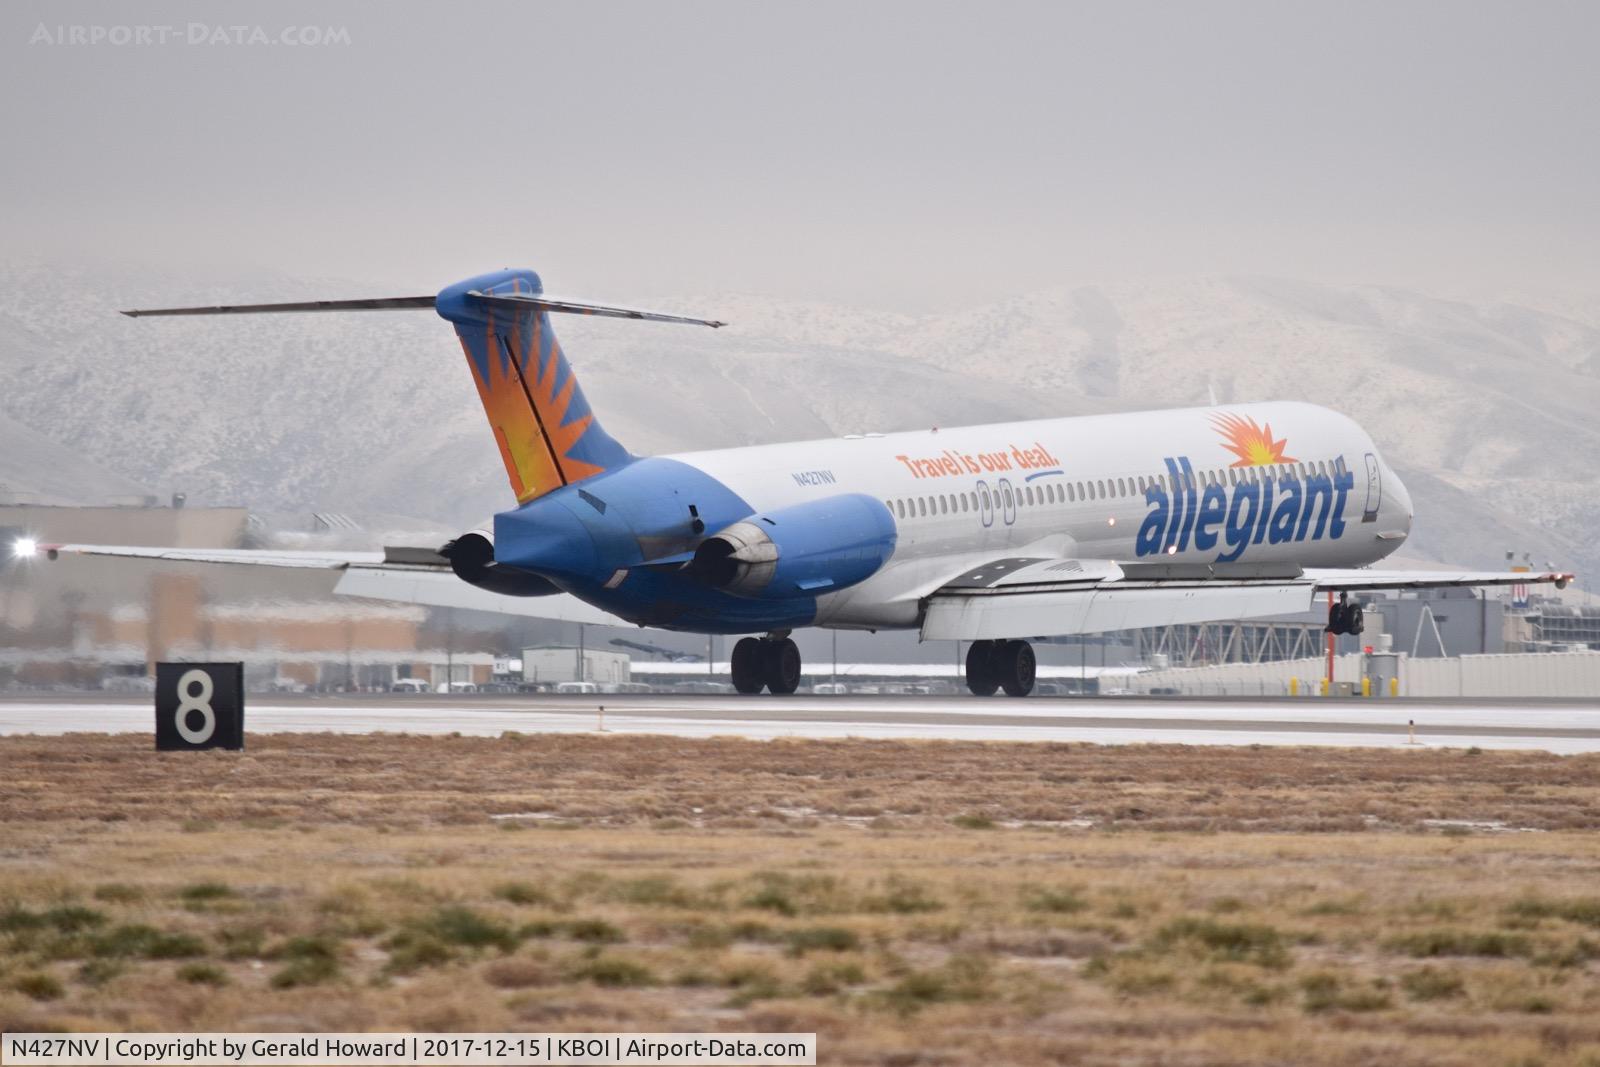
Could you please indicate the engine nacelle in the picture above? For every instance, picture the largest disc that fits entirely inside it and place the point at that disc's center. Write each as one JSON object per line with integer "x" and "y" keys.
{"x": 471, "y": 556}
{"x": 802, "y": 550}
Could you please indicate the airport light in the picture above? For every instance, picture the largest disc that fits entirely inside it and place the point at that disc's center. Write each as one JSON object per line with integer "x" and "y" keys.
{"x": 24, "y": 548}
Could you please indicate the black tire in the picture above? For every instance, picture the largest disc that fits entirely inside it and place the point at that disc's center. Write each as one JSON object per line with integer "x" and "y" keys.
{"x": 983, "y": 676}
{"x": 749, "y": 668}
{"x": 782, "y": 664}
{"x": 1017, "y": 668}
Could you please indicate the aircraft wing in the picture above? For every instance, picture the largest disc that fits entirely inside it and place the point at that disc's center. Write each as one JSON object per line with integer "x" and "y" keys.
{"x": 404, "y": 575}
{"x": 1024, "y": 597}
{"x": 442, "y": 589}
{"x": 308, "y": 560}
{"x": 1355, "y": 578}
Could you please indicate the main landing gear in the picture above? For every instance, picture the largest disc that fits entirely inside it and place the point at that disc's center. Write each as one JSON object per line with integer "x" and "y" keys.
{"x": 1008, "y": 665}
{"x": 771, "y": 663}
{"x": 1344, "y": 617}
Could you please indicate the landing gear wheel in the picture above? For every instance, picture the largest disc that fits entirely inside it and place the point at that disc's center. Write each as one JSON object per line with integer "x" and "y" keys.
{"x": 1017, "y": 668}
{"x": 749, "y": 673}
{"x": 782, "y": 666}
{"x": 983, "y": 674}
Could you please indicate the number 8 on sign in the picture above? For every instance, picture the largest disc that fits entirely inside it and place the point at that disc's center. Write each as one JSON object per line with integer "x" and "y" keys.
{"x": 200, "y": 702}
{"x": 199, "y": 705}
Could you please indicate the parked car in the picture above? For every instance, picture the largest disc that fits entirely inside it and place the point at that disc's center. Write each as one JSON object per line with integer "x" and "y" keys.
{"x": 410, "y": 685}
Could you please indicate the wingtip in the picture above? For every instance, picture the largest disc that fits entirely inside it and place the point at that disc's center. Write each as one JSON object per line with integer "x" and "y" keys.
{"x": 131, "y": 314}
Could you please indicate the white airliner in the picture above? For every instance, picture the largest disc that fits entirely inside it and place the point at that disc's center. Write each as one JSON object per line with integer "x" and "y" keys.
{"x": 987, "y": 534}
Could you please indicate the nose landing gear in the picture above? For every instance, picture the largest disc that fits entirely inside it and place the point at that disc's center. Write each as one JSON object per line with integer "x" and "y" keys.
{"x": 771, "y": 663}
{"x": 1008, "y": 665}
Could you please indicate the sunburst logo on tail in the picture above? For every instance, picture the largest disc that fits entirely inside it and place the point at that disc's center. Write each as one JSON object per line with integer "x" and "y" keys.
{"x": 1251, "y": 442}
{"x": 528, "y": 368}
{"x": 546, "y": 432}
{"x": 553, "y": 392}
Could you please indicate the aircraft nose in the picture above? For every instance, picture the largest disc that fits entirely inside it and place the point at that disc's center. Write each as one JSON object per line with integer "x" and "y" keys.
{"x": 1401, "y": 499}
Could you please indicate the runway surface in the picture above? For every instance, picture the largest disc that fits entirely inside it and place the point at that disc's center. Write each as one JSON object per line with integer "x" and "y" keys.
{"x": 1565, "y": 726}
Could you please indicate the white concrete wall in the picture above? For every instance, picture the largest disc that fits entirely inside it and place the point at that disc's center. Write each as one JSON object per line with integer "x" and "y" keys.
{"x": 1250, "y": 679}
{"x": 1554, "y": 674}
{"x": 1566, "y": 674}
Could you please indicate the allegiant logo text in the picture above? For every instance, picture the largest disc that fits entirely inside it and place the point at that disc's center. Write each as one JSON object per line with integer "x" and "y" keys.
{"x": 1271, "y": 510}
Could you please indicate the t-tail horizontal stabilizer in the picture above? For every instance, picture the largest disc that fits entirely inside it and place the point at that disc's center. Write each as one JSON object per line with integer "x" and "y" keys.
{"x": 547, "y": 435}
{"x": 528, "y": 302}
{"x": 389, "y": 303}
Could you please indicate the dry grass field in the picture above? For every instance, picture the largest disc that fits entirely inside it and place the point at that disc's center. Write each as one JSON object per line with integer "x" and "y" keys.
{"x": 913, "y": 903}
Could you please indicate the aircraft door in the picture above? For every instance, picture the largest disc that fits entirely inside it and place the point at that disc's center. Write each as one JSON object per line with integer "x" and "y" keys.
{"x": 985, "y": 505}
{"x": 1008, "y": 501}
{"x": 1374, "y": 490}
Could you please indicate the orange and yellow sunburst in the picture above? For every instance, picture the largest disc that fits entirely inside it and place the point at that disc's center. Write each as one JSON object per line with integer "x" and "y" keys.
{"x": 536, "y": 448}
{"x": 553, "y": 406}
{"x": 1252, "y": 443}
{"x": 529, "y": 464}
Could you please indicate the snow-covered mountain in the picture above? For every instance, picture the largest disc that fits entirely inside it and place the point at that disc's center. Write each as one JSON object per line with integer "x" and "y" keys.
{"x": 37, "y": 470}
{"x": 1487, "y": 408}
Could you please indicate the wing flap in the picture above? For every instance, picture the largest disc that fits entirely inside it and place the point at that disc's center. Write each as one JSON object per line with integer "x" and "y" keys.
{"x": 1020, "y": 598}
{"x": 1037, "y": 612}
{"x": 974, "y": 618}
{"x": 404, "y": 575}
{"x": 444, "y": 590}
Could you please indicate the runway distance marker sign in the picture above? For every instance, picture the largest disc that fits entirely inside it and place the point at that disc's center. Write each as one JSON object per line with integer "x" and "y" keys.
{"x": 199, "y": 705}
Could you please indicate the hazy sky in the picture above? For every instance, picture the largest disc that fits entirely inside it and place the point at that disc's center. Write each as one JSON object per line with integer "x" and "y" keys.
{"x": 898, "y": 154}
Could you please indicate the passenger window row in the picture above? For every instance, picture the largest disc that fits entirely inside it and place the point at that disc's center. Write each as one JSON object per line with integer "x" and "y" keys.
{"x": 1067, "y": 492}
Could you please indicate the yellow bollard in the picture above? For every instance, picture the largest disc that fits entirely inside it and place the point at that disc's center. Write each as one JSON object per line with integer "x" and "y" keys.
{"x": 1366, "y": 685}
{"x": 1394, "y": 687}
{"x": 1294, "y": 687}
{"x": 1322, "y": 687}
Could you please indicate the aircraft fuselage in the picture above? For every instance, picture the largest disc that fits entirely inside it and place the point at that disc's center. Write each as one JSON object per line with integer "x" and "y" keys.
{"x": 1280, "y": 483}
